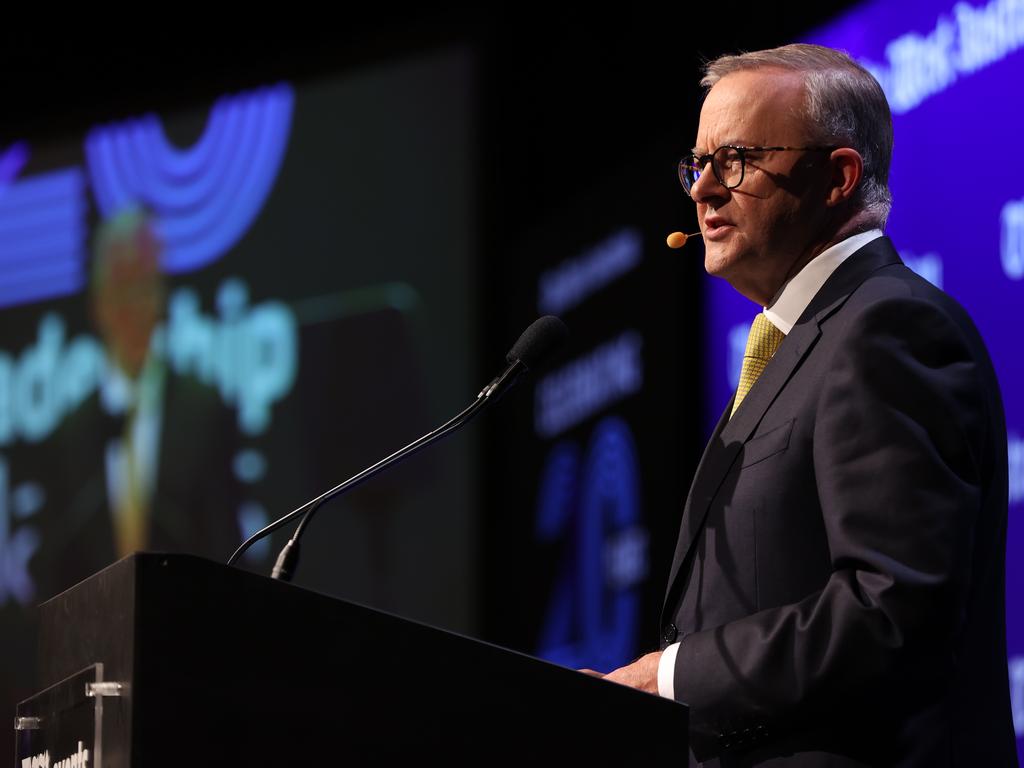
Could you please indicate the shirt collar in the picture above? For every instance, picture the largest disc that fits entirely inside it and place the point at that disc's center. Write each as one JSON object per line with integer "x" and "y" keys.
{"x": 119, "y": 393}
{"x": 796, "y": 293}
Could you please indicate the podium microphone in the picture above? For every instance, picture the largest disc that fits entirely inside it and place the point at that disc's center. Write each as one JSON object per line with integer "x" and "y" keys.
{"x": 535, "y": 344}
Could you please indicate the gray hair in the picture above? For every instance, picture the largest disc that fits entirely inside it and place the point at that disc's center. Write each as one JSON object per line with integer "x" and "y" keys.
{"x": 843, "y": 103}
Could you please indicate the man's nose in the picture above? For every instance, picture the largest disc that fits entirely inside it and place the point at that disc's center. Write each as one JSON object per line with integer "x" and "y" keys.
{"x": 707, "y": 186}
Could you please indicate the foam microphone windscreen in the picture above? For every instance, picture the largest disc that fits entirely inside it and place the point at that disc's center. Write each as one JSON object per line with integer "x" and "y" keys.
{"x": 544, "y": 336}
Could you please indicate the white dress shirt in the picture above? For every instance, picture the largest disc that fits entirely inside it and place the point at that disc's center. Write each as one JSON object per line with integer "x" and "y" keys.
{"x": 783, "y": 311}
{"x": 141, "y": 402}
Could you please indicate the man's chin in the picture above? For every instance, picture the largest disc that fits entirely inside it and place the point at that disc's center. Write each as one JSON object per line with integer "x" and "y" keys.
{"x": 718, "y": 263}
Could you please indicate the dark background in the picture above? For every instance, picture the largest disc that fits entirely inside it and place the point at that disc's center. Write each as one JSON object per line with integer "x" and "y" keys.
{"x": 581, "y": 120}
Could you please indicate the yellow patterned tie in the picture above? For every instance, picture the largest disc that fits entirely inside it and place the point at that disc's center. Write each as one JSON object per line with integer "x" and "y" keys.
{"x": 131, "y": 524}
{"x": 763, "y": 340}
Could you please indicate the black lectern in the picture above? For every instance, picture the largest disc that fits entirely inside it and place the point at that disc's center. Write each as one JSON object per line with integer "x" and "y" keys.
{"x": 172, "y": 660}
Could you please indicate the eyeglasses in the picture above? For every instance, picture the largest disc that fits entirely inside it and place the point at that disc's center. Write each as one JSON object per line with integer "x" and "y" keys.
{"x": 728, "y": 163}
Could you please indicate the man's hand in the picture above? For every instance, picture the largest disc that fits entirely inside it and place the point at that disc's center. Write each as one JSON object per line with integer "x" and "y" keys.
{"x": 642, "y": 673}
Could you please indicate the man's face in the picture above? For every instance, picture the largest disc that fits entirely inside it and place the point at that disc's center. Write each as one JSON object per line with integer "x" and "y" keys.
{"x": 128, "y": 299}
{"x": 756, "y": 234}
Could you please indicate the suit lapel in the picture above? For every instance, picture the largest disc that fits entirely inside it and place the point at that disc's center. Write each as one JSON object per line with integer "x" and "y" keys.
{"x": 727, "y": 442}
{"x": 730, "y": 435}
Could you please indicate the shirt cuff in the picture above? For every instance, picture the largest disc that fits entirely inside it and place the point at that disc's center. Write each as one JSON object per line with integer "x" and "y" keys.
{"x": 667, "y": 672}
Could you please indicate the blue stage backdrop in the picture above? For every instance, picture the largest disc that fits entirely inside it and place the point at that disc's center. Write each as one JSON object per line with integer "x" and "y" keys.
{"x": 952, "y": 73}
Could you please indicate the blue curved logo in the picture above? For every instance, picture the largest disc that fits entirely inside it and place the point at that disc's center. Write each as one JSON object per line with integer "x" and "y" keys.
{"x": 205, "y": 197}
{"x": 42, "y": 232}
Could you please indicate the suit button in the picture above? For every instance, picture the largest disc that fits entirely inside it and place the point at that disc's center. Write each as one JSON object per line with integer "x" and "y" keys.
{"x": 669, "y": 633}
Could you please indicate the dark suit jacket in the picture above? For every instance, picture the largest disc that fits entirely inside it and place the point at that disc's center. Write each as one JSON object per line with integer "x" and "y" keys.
{"x": 838, "y": 581}
{"x": 194, "y": 503}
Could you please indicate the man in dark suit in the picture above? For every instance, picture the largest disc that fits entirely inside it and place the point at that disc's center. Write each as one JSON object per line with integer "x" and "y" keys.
{"x": 836, "y": 596}
{"x": 143, "y": 463}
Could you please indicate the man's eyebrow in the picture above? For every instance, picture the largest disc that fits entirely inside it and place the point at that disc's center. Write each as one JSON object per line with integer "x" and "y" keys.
{"x": 727, "y": 143}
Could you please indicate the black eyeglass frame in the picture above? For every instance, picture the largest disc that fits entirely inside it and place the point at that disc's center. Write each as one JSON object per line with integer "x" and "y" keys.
{"x": 697, "y": 162}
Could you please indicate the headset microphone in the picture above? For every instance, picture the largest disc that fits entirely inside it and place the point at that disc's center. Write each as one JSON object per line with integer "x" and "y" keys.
{"x": 678, "y": 239}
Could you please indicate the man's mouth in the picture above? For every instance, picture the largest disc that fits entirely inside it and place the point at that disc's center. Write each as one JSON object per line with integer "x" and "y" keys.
{"x": 715, "y": 227}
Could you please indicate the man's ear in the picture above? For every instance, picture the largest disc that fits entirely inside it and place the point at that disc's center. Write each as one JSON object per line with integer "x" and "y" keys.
{"x": 847, "y": 170}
